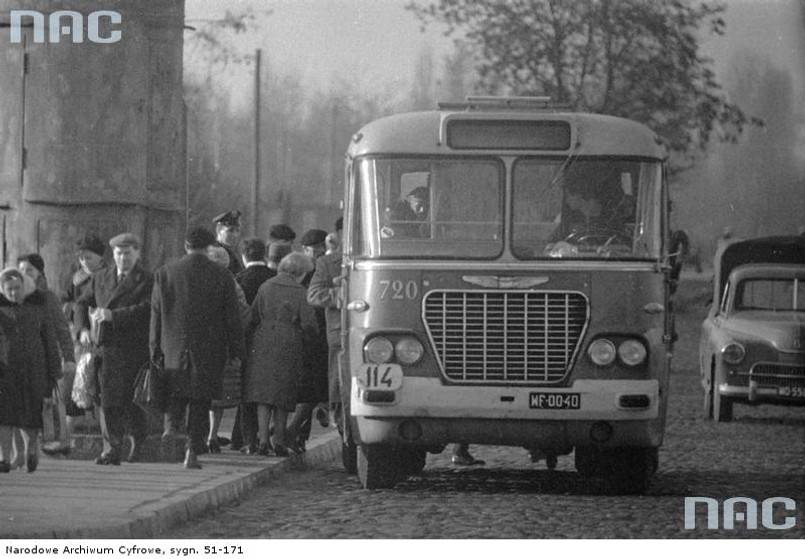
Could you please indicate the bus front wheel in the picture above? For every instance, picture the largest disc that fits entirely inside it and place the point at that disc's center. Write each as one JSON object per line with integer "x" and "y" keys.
{"x": 378, "y": 466}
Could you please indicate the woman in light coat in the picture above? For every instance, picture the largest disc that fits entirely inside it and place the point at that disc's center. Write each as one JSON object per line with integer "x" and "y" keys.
{"x": 282, "y": 325}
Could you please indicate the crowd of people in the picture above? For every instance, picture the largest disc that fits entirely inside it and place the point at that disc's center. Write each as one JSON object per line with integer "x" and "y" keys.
{"x": 248, "y": 324}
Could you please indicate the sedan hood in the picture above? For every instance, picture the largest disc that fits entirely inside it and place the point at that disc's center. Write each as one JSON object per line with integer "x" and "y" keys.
{"x": 784, "y": 330}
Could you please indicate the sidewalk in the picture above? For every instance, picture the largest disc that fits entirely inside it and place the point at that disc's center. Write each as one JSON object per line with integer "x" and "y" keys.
{"x": 76, "y": 499}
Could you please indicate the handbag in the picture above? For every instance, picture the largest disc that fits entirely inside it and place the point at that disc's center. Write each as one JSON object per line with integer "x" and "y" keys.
{"x": 85, "y": 386}
{"x": 151, "y": 388}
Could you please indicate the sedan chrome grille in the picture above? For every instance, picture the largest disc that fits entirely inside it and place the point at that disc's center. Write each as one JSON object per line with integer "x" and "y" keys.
{"x": 777, "y": 374}
{"x": 505, "y": 337}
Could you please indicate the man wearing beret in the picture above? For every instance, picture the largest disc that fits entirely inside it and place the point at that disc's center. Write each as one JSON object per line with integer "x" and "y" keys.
{"x": 115, "y": 316}
{"x": 227, "y": 233}
{"x": 195, "y": 326}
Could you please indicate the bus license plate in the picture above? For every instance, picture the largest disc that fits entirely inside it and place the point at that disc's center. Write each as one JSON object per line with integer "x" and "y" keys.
{"x": 387, "y": 376}
{"x": 554, "y": 400}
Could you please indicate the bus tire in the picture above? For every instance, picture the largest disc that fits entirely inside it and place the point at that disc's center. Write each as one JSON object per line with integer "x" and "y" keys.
{"x": 413, "y": 460}
{"x": 378, "y": 466}
{"x": 629, "y": 469}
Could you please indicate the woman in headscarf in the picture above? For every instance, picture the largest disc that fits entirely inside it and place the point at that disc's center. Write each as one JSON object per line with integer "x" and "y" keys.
{"x": 29, "y": 365}
{"x": 33, "y": 265}
{"x": 282, "y": 325}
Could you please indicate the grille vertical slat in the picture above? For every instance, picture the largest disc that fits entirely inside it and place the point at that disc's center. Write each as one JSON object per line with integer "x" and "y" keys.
{"x": 505, "y": 336}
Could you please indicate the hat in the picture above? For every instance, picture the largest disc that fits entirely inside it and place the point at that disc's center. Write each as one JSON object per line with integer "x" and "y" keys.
{"x": 420, "y": 192}
{"x": 34, "y": 260}
{"x": 92, "y": 243}
{"x": 277, "y": 251}
{"x": 229, "y": 219}
{"x": 281, "y": 232}
{"x": 313, "y": 237}
{"x": 125, "y": 240}
{"x": 199, "y": 238}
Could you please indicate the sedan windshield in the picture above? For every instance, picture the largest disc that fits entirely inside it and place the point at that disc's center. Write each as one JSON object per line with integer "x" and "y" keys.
{"x": 773, "y": 294}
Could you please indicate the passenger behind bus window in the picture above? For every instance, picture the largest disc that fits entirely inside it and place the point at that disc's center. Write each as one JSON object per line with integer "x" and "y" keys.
{"x": 408, "y": 217}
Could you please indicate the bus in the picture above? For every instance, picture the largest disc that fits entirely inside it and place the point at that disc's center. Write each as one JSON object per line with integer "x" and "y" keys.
{"x": 506, "y": 281}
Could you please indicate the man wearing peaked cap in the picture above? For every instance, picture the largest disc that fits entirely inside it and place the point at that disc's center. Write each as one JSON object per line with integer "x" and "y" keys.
{"x": 126, "y": 240}
{"x": 121, "y": 297}
{"x": 227, "y": 233}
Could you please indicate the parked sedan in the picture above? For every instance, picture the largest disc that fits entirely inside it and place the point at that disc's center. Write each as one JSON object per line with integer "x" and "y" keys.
{"x": 752, "y": 345}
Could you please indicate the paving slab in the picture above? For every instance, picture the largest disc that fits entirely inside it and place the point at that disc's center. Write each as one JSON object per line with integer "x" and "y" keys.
{"x": 77, "y": 499}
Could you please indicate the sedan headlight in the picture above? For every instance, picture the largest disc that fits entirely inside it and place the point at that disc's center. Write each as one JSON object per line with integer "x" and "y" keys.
{"x": 379, "y": 350}
{"x": 602, "y": 352}
{"x": 632, "y": 352}
{"x": 408, "y": 351}
{"x": 733, "y": 353}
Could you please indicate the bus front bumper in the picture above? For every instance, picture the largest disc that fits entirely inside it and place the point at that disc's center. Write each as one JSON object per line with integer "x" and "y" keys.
{"x": 590, "y": 412}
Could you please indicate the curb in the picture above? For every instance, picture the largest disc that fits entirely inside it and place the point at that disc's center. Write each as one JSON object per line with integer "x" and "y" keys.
{"x": 155, "y": 519}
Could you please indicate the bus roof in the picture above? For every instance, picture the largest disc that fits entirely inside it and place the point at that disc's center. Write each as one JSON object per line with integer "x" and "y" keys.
{"x": 424, "y": 133}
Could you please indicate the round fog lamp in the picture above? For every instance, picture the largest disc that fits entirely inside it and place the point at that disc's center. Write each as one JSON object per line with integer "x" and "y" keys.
{"x": 733, "y": 353}
{"x": 378, "y": 350}
{"x": 601, "y": 352}
{"x": 408, "y": 351}
{"x": 632, "y": 352}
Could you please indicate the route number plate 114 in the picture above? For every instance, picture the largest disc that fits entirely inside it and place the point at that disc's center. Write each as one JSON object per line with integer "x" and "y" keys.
{"x": 387, "y": 376}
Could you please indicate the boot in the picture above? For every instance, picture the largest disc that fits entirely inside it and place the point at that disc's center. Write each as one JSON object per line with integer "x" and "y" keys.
{"x": 191, "y": 461}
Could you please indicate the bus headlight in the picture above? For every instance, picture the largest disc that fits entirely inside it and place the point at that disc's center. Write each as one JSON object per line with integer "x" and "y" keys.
{"x": 733, "y": 353}
{"x": 408, "y": 351}
{"x": 632, "y": 352}
{"x": 602, "y": 352}
{"x": 378, "y": 350}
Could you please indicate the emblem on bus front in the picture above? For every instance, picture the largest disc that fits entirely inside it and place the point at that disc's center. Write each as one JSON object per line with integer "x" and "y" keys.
{"x": 498, "y": 282}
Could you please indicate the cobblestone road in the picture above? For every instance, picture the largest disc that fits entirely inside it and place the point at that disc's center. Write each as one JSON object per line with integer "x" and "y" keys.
{"x": 760, "y": 454}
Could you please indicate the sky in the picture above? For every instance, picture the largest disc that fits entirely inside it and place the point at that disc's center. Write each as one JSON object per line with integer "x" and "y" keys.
{"x": 380, "y": 40}
{"x": 318, "y": 39}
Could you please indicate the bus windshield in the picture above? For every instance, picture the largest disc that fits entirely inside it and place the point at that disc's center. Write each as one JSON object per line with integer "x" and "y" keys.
{"x": 570, "y": 208}
{"x": 590, "y": 208}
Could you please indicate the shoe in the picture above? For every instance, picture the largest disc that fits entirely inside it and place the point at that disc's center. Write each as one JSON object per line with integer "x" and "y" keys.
{"x": 214, "y": 446}
{"x": 31, "y": 463}
{"x": 281, "y": 450}
{"x": 191, "y": 461}
{"x": 5, "y": 467}
{"x": 107, "y": 460}
{"x": 466, "y": 460}
{"x": 264, "y": 449}
{"x": 249, "y": 449}
{"x": 223, "y": 441}
{"x": 56, "y": 450}
{"x": 322, "y": 416}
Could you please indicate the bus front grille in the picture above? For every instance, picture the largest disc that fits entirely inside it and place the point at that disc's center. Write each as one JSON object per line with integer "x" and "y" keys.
{"x": 505, "y": 337}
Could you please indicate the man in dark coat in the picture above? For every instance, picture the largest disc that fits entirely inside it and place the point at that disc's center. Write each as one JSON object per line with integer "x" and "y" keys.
{"x": 323, "y": 291}
{"x": 195, "y": 326}
{"x": 118, "y": 302}
{"x": 313, "y": 386}
{"x": 244, "y": 432}
{"x": 227, "y": 232}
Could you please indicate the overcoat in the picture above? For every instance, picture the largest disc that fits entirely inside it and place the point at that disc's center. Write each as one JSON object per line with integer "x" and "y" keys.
{"x": 252, "y": 278}
{"x": 30, "y": 359}
{"x": 123, "y": 341}
{"x": 195, "y": 324}
{"x": 280, "y": 332}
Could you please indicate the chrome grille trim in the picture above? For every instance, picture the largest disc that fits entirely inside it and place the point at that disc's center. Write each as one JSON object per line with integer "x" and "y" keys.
{"x": 505, "y": 337}
{"x": 774, "y": 374}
